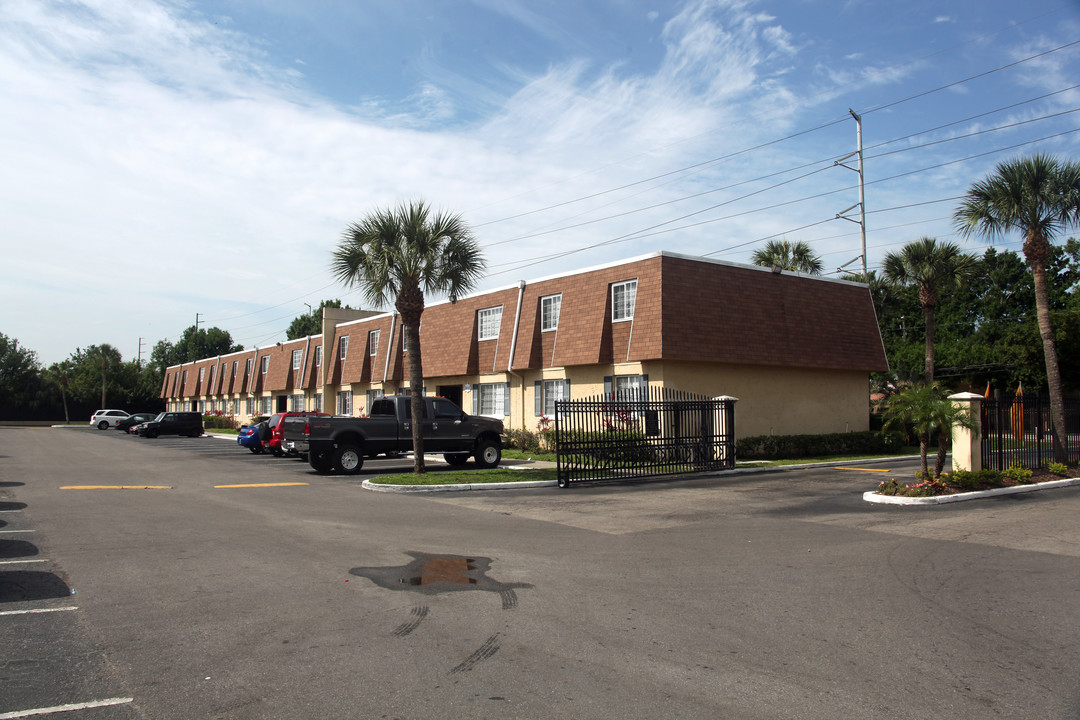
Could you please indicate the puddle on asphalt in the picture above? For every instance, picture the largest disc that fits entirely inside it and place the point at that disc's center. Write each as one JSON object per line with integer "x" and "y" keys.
{"x": 431, "y": 574}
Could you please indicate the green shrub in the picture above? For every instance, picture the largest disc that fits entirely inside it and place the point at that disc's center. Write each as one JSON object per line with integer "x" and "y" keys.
{"x": 1057, "y": 469}
{"x": 1019, "y": 472}
{"x": 968, "y": 480}
{"x": 219, "y": 422}
{"x": 777, "y": 447}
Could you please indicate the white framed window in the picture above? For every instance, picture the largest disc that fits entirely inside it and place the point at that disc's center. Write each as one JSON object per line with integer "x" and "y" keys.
{"x": 344, "y": 402}
{"x": 235, "y": 367}
{"x": 264, "y": 366}
{"x": 318, "y": 356}
{"x": 249, "y": 406}
{"x": 630, "y": 387}
{"x": 265, "y": 403}
{"x": 318, "y": 402}
{"x": 297, "y": 358}
{"x": 202, "y": 374}
{"x": 247, "y": 366}
{"x": 623, "y": 298}
{"x": 488, "y": 322}
{"x": 212, "y": 368}
{"x": 405, "y": 339}
{"x": 344, "y": 345}
{"x": 373, "y": 342}
{"x": 554, "y": 390}
{"x": 549, "y": 312}
{"x": 296, "y": 403}
{"x": 493, "y": 399}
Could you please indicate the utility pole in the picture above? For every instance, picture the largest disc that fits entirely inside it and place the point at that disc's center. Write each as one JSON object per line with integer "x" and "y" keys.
{"x": 197, "y": 321}
{"x": 842, "y": 215}
{"x": 140, "y": 353}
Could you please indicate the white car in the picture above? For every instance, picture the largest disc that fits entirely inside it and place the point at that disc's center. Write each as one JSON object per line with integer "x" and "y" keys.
{"x": 104, "y": 419}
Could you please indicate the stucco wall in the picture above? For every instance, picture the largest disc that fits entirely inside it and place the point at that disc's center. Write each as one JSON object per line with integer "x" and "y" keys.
{"x": 776, "y": 400}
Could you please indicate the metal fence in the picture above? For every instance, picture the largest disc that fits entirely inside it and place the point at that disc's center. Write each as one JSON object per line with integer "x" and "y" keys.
{"x": 1018, "y": 429}
{"x": 662, "y": 432}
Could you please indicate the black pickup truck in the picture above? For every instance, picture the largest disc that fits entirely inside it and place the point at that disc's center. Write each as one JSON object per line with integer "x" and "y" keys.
{"x": 340, "y": 444}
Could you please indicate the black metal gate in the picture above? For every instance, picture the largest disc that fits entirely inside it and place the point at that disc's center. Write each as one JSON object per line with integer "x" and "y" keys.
{"x": 665, "y": 432}
{"x": 1018, "y": 429}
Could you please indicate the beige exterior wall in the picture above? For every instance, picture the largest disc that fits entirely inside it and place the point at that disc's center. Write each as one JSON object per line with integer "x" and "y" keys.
{"x": 773, "y": 400}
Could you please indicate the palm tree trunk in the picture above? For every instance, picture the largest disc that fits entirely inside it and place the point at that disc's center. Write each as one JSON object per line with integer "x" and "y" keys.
{"x": 942, "y": 448}
{"x": 924, "y": 445}
{"x": 63, "y": 396}
{"x": 928, "y": 314}
{"x": 1053, "y": 372}
{"x": 416, "y": 384}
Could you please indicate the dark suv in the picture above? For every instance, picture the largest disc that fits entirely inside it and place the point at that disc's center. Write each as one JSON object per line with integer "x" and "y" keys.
{"x": 173, "y": 423}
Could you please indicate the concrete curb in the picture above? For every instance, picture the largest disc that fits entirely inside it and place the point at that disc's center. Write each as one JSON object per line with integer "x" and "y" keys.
{"x": 873, "y": 497}
{"x": 457, "y": 487}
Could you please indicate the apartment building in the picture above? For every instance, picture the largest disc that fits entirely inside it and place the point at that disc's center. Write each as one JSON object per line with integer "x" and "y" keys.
{"x": 796, "y": 350}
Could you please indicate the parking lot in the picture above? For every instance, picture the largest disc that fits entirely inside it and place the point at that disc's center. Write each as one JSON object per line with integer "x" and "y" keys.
{"x": 222, "y": 584}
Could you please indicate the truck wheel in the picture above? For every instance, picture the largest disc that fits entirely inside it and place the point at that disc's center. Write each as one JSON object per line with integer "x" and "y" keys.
{"x": 456, "y": 458}
{"x": 320, "y": 462}
{"x": 488, "y": 454}
{"x": 348, "y": 459}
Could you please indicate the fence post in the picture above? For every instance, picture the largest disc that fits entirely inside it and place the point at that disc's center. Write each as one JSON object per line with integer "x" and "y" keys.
{"x": 726, "y": 429}
{"x": 966, "y": 446}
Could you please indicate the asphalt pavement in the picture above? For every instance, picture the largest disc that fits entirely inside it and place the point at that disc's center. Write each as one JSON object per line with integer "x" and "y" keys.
{"x": 188, "y": 578}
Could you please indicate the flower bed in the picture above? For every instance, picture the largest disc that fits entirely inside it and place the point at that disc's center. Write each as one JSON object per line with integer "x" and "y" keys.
{"x": 963, "y": 481}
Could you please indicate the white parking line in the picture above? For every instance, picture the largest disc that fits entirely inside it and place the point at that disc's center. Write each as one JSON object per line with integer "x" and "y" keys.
{"x": 5, "y": 532}
{"x": 19, "y": 562}
{"x": 36, "y": 611}
{"x": 66, "y": 708}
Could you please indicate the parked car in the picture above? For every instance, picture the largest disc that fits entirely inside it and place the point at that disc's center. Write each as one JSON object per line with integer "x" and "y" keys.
{"x": 341, "y": 443}
{"x": 250, "y": 436}
{"x": 275, "y": 426}
{"x": 134, "y": 419}
{"x": 103, "y": 419}
{"x": 173, "y": 423}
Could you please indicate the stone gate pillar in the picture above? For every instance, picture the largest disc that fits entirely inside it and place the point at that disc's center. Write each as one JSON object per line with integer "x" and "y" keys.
{"x": 967, "y": 444}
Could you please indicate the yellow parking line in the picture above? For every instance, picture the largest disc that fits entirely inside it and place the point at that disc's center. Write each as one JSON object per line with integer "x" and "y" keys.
{"x": 261, "y": 485}
{"x": 116, "y": 487}
{"x": 864, "y": 469}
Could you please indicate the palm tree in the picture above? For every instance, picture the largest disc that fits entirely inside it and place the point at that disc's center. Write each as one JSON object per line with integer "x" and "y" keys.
{"x": 926, "y": 409}
{"x": 791, "y": 256}
{"x": 932, "y": 266}
{"x": 59, "y": 374}
{"x": 108, "y": 356}
{"x": 396, "y": 255}
{"x": 1038, "y": 196}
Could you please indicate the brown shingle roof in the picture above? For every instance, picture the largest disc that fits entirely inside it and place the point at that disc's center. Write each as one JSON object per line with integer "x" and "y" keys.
{"x": 729, "y": 313}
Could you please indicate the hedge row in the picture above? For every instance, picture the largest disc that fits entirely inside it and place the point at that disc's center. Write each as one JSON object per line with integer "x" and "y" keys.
{"x": 778, "y": 447}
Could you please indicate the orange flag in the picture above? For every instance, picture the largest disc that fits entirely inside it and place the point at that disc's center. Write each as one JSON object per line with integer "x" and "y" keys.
{"x": 1016, "y": 414}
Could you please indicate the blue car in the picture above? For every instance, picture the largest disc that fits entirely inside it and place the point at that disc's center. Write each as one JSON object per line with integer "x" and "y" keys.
{"x": 250, "y": 435}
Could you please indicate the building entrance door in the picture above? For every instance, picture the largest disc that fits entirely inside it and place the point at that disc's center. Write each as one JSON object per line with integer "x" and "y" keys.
{"x": 453, "y": 393}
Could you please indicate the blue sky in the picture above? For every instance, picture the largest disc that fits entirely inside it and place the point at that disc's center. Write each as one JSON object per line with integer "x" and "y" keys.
{"x": 166, "y": 158}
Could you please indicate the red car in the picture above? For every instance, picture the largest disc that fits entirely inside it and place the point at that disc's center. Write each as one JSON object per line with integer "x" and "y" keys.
{"x": 276, "y": 426}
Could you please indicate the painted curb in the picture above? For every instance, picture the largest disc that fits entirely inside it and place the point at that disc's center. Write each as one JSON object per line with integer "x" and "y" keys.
{"x": 873, "y": 497}
{"x": 457, "y": 487}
